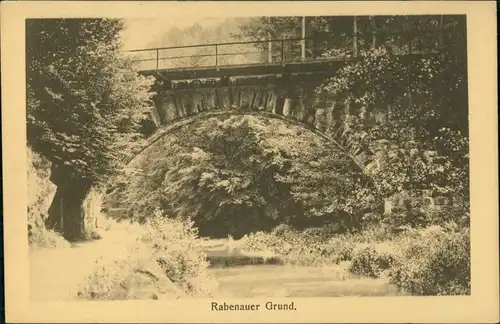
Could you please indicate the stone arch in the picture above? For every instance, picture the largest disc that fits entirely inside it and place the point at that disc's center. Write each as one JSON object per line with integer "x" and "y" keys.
{"x": 294, "y": 97}
{"x": 171, "y": 125}
{"x": 97, "y": 195}
{"x": 174, "y": 126}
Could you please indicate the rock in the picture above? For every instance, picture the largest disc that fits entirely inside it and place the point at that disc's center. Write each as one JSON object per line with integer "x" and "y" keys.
{"x": 142, "y": 283}
{"x": 41, "y": 191}
{"x": 141, "y": 279}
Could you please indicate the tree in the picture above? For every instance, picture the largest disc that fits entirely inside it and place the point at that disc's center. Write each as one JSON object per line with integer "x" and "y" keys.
{"x": 338, "y": 36}
{"x": 85, "y": 104}
{"x": 421, "y": 141}
{"x": 197, "y": 34}
{"x": 323, "y": 34}
{"x": 241, "y": 174}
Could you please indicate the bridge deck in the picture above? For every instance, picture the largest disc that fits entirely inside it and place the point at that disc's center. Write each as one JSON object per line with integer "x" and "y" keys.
{"x": 312, "y": 66}
{"x": 298, "y": 55}
{"x": 325, "y": 66}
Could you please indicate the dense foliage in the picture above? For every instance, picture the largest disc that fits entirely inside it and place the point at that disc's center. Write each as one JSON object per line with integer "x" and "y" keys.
{"x": 346, "y": 36}
{"x": 408, "y": 114}
{"x": 430, "y": 261}
{"x": 418, "y": 144}
{"x": 242, "y": 173}
{"x": 85, "y": 103}
{"x": 434, "y": 261}
{"x": 302, "y": 197}
{"x": 413, "y": 118}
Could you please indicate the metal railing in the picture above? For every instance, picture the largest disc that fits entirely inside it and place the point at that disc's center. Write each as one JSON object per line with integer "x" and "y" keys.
{"x": 282, "y": 51}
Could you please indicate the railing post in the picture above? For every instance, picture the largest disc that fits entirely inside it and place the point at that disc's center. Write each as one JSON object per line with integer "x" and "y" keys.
{"x": 410, "y": 35}
{"x": 314, "y": 51}
{"x": 355, "y": 38}
{"x": 282, "y": 51}
{"x": 440, "y": 41}
{"x": 346, "y": 47}
{"x": 157, "y": 58}
{"x": 269, "y": 48}
{"x": 303, "y": 41}
{"x": 216, "y": 57}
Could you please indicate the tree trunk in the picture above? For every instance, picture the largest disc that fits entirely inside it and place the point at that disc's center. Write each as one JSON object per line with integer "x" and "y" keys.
{"x": 66, "y": 213}
{"x": 303, "y": 39}
{"x": 374, "y": 32}
{"x": 440, "y": 41}
{"x": 355, "y": 37}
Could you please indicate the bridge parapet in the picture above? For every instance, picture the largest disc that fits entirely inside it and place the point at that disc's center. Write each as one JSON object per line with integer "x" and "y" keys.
{"x": 330, "y": 47}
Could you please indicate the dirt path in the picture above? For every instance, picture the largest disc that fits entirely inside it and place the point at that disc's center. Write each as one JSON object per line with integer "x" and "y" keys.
{"x": 56, "y": 273}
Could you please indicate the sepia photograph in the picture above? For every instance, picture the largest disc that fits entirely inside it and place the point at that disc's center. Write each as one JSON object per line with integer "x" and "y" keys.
{"x": 248, "y": 161}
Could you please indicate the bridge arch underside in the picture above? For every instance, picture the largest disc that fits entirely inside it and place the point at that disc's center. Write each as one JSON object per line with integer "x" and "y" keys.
{"x": 293, "y": 97}
{"x": 155, "y": 171}
{"x": 287, "y": 95}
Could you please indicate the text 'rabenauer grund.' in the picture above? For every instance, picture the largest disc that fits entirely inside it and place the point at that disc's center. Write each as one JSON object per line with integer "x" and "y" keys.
{"x": 215, "y": 306}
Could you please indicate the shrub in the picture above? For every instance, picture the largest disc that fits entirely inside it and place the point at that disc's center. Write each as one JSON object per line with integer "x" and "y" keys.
{"x": 261, "y": 241}
{"x": 45, "y": 238}
{"x": 301, "y": 248}
{"x": 163, "y": 260}
{"x": 282, "y": 230}
{"x": 317, "y": 234}
{"x": 342, "y": 247}
{"x": 368, "y": 261}
{"x": 135, "y": 276}
{"x": 177, "y": 249}
{"x": 433, "y": 261}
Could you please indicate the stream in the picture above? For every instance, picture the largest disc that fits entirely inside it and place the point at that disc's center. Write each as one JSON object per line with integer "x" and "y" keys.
{"x": 240, "y": 277}
{"x": 288, "y": 281}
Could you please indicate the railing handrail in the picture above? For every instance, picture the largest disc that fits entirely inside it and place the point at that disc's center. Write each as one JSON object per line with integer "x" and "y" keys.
{"x": 411, "y": 33}
{"x": 216, "y": 44}
{"x": 278, "y": 40}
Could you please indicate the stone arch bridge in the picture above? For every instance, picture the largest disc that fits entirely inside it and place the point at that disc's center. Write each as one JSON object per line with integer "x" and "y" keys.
{"x": 278, "y": 78}
{"x": 275, "y": 86}
{"x": 290, "y": 97}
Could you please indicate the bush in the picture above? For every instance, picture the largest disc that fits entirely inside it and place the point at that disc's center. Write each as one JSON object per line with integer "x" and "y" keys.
{"x": 133, "y": 277}
{"x": 177, "y": 249}
{"x": 262, "y": 241}
{"x": 301, "y": 248}
{"x": 283, "y": 230}
{"x": 369, "y": 262}
{"x": 44, "y": 238}
{"x": 430, "y": 261}
{"x": 433, "y": 261}
{"x": 163, "y": 260}
{"x": 342, "y": 247}
{"x": 317, "y": 234}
